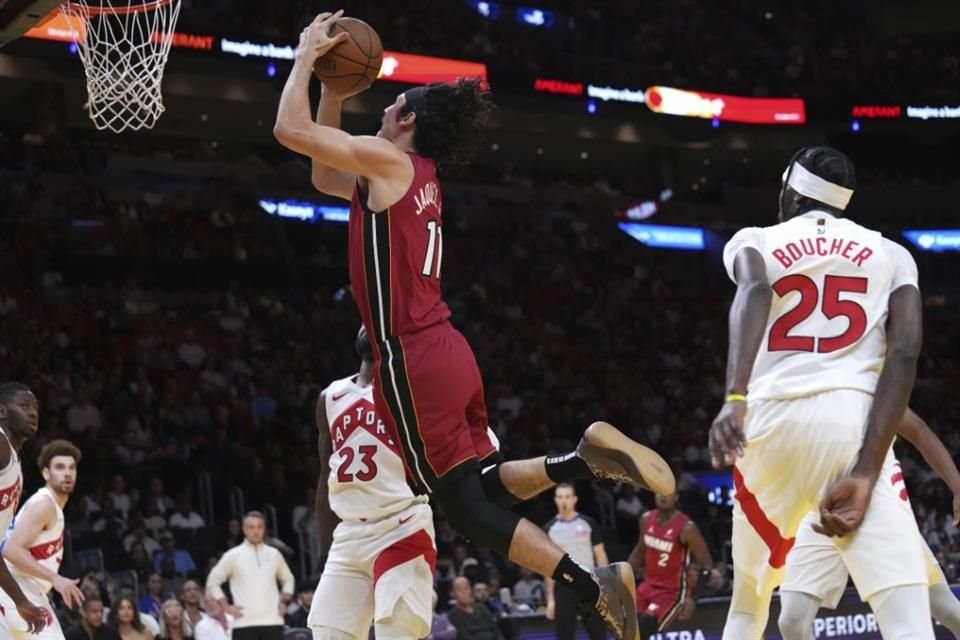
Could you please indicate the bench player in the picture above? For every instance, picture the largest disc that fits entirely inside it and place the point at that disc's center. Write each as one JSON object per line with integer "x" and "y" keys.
{"x": 427, "y": 386}
{"x": 815, "y": 575}
{"x": 668, "y": 538}
{"x": 19, "y": 418}
{"x": 825, "y": 333}
{"x": 379, "y": 567}
{"x": 34, "y": 547}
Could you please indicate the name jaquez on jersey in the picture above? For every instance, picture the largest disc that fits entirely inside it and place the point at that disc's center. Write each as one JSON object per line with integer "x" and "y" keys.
{"x": 429, "y": 194}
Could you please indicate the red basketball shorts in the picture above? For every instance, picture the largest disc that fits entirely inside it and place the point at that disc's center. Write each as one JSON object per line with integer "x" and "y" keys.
{"x": 429, "y": 390}
{"x": 662, "y": 604}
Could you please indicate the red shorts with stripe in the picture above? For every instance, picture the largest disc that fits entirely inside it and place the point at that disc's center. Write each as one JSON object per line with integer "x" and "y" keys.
{"x": 428, "y": 388}
{"x": 662, "y": 604}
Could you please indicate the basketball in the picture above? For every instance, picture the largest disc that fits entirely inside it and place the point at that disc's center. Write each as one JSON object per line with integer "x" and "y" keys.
{"x": 355, "y": 63}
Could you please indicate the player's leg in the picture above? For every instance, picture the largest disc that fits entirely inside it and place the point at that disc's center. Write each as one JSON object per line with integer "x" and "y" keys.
{"x": 403, "y": 597}
{"x": 342, "y": 605}
{"x": 945, "y": 607}
{"x": 596, "y": 630}
{"x": 798, "y": 610}
{"x": 903, "y": 613}
{"x": 647, "y": 620}
{"x": 567, "y": 608}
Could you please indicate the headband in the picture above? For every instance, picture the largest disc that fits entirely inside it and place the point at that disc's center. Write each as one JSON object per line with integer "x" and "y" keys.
{"x": 414, "y": 98}
{"x": 808, "y": 184}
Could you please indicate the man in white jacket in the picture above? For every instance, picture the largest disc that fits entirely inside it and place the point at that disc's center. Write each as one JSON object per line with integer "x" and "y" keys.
{"x": 253, "y": 570}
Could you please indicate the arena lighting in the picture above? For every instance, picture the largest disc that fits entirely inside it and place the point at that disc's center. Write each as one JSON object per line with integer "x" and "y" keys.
{"x": 306, "y": 211}
{"x": 936, "y": 113}
{"x": 876, "y": 111}
{"x": 544, "y": 85}
{"x": 937, "y": 240}
{"x": 617, "y": 95}
{"x": 535, "y": 17}
{"x": 663, "y": 237}
{"x": 490, "y": 10}
{"x": 699, "y": 104}
{"x": 397, "y": 67}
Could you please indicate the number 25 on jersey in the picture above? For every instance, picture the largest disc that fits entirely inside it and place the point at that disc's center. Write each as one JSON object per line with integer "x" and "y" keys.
{"x": 831, "y": 305}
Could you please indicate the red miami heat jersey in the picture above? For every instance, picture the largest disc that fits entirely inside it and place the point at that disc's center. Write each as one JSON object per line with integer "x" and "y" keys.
{"x": 367, "y": 480}
{"x": 395, "y": 258}
{"x": 667, "y": 557}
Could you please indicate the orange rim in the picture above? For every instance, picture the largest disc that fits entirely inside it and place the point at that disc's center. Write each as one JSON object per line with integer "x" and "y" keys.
{"x": 142, "y": 7}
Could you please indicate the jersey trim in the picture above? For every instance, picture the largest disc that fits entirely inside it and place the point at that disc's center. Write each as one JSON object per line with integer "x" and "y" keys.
{"x": 667, "y": 619}
{"x": 413, "y": 546}
{"x": 778, "y": 546}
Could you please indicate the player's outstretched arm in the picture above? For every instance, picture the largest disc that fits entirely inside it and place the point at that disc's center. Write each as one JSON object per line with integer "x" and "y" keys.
{"x": 34, "y": 517}
{"x": 326, "y": 518}
{"x": 326, "y": 179}
{"x": 748, "y": 322}
{"x": 915, "y": 431}
{"x": 366, "y": 156}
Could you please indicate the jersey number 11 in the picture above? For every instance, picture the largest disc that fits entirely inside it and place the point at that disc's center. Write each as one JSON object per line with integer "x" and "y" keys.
{"x": 434, "y": 249}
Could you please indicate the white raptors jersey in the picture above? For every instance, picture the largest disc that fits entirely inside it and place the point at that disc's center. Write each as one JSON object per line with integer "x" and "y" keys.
{"x": 832, "y": 280}
{"x": 367, "y": 480}
{"x": 47, "y": 548}
{"x": 11, "y": 485}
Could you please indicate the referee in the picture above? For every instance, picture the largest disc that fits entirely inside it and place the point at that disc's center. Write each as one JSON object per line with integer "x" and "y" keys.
{"x": 579, "y": 536}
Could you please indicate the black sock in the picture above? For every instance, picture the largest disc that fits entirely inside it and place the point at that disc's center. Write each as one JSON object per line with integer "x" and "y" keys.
{"x": 567, "y": 468}
{"x": 578, "y": 579}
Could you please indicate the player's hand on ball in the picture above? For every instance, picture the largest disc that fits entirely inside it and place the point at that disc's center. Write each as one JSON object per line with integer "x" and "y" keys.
{"x": 33, "y": 616}
{"x": 844, "y": 506}
{"x": 687, "y": 608}
{"x": 727, "y": 441}
{"x": 316, "y": 41}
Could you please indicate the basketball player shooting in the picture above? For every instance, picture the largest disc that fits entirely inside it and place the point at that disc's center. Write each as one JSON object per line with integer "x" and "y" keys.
{"x": 825, "y": 333}
{"x": 427, "y": 385}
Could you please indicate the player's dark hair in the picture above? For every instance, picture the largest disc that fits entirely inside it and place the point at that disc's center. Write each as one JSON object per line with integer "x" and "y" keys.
{"x": 10, "y": 389}
{"x": 831, "y": 165}
{"x": 451, "y": 119}
{"x": 362, "y": 346}
{"x": 56, "y": 448}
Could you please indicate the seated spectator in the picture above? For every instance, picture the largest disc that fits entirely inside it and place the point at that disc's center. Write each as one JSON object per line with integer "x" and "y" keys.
{"x": 152, "y": 601}
{"x": 191, "y": 597}
{"x": 149, "y": 622}
{"x": 118, "y": 496}
{"x": 83, "y": 415}
{"x": 109, "y": 519}
{"x": 299, "y": 609}
{"x": 173, "y": 626}
{"x": 182, "y": 562}
{"x": 217, "y": 624}
{"x": 481, "y": 595}
{"x": 138, "y": 534}
{"x": 629, "y": 508}
{"x": 157, "y": 501}
{"x": 529, "y": 590}
{"x": 91, "y": 626}
{"x": 139, "y": 562}
{"x": 234, "y": 533}
{"x": 441, "y": 628}
{"x": 172, "y": 580}
{"x": 125, "y": 618}
{"x": 185, "y": 517}
{"x": 472, "y": 622}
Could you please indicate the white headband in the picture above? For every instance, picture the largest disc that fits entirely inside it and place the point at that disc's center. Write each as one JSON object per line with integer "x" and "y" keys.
{"x": 813, "y": 186}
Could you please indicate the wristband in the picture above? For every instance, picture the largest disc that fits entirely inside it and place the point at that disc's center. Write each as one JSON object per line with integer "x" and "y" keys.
{"x": 736, "y": 397}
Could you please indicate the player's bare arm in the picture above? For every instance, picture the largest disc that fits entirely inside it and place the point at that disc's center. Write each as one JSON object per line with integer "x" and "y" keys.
{"x": 600, "y": 555}
{"x": 30, "y": 613}
{"x": 914, "y": 430}
{"x": 326, "y": 518}
{"x": 748, "y": 322}
{"x": 637, "y": 557}
{"x": 387, "y": 169}
{"x": 35, "y": 517}
{"x": 846, "y": 503}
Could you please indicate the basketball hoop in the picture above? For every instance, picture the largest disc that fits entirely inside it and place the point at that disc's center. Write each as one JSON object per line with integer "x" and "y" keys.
{"x": 124, "y": 46}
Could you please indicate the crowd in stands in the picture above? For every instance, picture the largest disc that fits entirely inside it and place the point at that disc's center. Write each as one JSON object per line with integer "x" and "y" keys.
{"x": 179, "y": 336}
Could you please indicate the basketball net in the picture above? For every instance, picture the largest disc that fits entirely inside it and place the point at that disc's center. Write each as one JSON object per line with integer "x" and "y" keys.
{"x": 124, "y": 46}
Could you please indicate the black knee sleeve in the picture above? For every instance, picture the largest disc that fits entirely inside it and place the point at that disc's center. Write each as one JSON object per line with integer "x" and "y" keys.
{"x": 474, "y": 515}
{"x": 647, "y": 625}
{"x": 494, "y": 488}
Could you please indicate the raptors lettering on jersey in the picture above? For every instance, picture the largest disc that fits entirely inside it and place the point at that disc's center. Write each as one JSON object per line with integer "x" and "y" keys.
{"x": 367, "y": 480}
{"x": 831, "y": 280}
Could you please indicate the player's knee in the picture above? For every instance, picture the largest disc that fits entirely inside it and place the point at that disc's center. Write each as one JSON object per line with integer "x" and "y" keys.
{"x": 647, "y": 625}
{"x": 470, "y": 512}
{"x": 792, "y": 623}
{"x": 329, "y": 633}
{"x": 495, "y": 490}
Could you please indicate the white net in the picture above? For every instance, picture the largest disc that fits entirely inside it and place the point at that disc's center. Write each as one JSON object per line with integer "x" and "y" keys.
{"x": 124, "y": 46}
